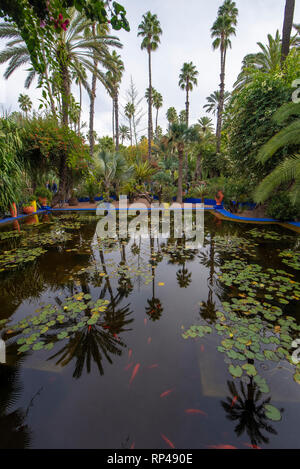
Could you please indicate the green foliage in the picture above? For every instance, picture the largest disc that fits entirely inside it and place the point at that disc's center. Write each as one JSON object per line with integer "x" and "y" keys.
{"x": 280, "y": 207}
{"x": 43, "y": 192}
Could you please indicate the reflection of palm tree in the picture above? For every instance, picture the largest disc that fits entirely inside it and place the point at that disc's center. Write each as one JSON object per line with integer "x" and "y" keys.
{"x": 184, "y": 277}
{"x": 14, "y": 432}
{"x": 248, "y": 410}
{"x": 154, "y": 308}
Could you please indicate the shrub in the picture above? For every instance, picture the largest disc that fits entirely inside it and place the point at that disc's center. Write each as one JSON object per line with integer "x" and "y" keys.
{"x": 44, "y": 193}
{"x": 280, "y": 207}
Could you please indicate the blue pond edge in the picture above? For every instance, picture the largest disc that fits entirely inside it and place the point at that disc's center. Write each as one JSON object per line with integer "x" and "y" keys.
{"x": 218, "y": 209}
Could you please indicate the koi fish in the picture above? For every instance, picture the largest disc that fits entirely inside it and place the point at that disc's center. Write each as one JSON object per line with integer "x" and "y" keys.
{"x": 134, "y": 373}
{"x": 145, "y": 321}
{"x": 133, "y": 445}
{"x": 127, "y": 367}
{"x": 167, "y": 441}
{"x": 90, "y": 327}
{"x": 222, "y": 447}
{"x": 166, "y": 393}
{"x": 234, "y": 401}
{"x": 153, "y": 366}
{"x": 149, "y": 340}
{"x": 129, "y": 353}
{"x": 195, "y": 411}
{"x": 202, "y": 348}
{"x": 251, "y": 446}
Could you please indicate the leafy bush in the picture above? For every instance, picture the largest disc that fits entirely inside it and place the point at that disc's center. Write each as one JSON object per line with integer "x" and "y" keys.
{"x": 44, "y": 193}
{"x": 280, "y": 207}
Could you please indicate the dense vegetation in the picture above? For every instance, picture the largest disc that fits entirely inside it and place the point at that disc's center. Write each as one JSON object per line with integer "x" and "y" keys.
{"x": 252, "y": 156}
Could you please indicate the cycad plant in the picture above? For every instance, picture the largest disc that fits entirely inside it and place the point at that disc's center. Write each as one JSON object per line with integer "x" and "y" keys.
{"x": 288, "y": 171}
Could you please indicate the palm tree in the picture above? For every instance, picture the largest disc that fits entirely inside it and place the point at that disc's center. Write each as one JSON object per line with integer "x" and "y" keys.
{"x": 205, "y": 124}
{"x": 204, "y": 128}
{"x": 222, "y": 29}
{"x": 151, "y": 31}
{"x": 266, "y": 61}
{"x": 129, "y": 113}
{"x": 213, "y": 101}
{"x": 111, "y": 168}
{"x": 287, "y": 28}
{"x": 25, "y": 104}
{"x": 157, "y": 104}
{"x": 180, "y": 136}
{"x": 113, "y": 84}
{"x": 288, "y": 171}
{"x": 172, "y": 116}
{"x": 124, "y": 133}
{"x": 187, "y": 79}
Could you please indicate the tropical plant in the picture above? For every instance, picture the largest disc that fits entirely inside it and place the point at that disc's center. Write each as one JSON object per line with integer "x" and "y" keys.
{"x": 157, "y": 104}
{"x": 151, "y": 31}
{"x": 113, "y": 84}
{"x": 124, "y": 133}
{"x": 172, "y": 116}
{"x": 111, "y": 169}
{"x": 287, "y": 171}
{"x": 213, "y": 101}
{"x": 187, "y": 80}
{"x": 221, "y": 31}
{"x": 129, "y": 113}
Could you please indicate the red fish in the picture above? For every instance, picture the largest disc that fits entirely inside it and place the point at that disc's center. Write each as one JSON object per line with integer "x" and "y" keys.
{"x": 90, "y": 327}
{"x": 167, "y": 441}
{"x": 234, "y": 401}
{"x": 166, "y": 393}
{"x": 222, "y": 447}
{"x": 195, "y": 411}
{"x": 251, "y": 446}
{"x": 153, "y": 366}
{"x": 129, "y": 353}
{"x": 128, "y": 366}
{"x": 135, "y": 370}
{"x": 145, "y": 321}
{"x": 149, "y": 340}
{"x": 202, "y": 348}
{"x": 133, "y": 445}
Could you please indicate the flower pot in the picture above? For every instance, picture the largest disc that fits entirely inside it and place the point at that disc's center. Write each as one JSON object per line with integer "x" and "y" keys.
{"x": 73, "y": 201}
{"x": 13, "y": 210}
{"x": 28, "y": 210}
{"x": 43, "y": 201}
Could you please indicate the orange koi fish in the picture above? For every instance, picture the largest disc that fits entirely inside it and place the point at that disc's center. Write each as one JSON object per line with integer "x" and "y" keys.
{"x": 133, "y": 445}
{"x": 251, "y": 446}
{"x": 166, "y": 393}
{"x": 167, "y": 441}
{"x": 195, "y": 411}
{"x": 134, "y": 373}
{"x": 234, "y": 401}
{"x": 127, "y": 367}
{"x": 129, "y": 353}
{"x": 222, "y": 447}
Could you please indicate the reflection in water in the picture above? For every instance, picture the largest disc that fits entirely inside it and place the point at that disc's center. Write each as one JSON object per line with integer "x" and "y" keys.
{"x": 246, "y": 407}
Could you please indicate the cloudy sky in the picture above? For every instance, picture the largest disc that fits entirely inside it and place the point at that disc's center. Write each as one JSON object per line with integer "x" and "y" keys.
{"x": 186, "y": 37}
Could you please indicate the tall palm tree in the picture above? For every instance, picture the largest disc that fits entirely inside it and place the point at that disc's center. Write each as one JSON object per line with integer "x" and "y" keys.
{"x": 221, "y": 31}
{"x": 129, "y": 113}
{"x": 124, "y": 133}
{"x": 187, "y": 80}
{"x": 25, "y": 104}
{"x": 287, "y": 28}
{"x": 113, "y": 84}
{"x": 288, "y": 171}
{"x": 204, "y": 128}
{"x": 151, "y": 31}
{"x": 213, "y": 101}
{"x": 180, "y": 136}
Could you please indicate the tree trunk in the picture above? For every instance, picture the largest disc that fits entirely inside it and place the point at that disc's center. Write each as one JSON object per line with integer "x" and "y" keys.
{"x": 150, "y": 131}
{"x": 113, "y": 120}
{"x": 287, "y": 29}
{"x": 187, "y": 104}
{"x": 221, "y": 102}
{"x": 180, "y": 168}
{"x": 80, "y": 104}
{"x": 156, "y": 123}
{"x": 130, "y": 125}
{"x": 92, "y": 99}
{"x": 198, "y": 173}
{"x": 117, "y": 120}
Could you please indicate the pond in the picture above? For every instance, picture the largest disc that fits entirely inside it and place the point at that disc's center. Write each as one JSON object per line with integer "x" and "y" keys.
{"x": 148, "y": 343}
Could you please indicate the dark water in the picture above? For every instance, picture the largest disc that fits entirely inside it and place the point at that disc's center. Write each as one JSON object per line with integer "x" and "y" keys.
{"x": 130, "y": 378}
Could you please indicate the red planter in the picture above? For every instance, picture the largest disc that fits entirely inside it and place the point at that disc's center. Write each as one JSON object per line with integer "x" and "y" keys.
{"x": 13, "y": 210}
{"x": 43, "y": 201}
{"x": 28, "y": 210}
